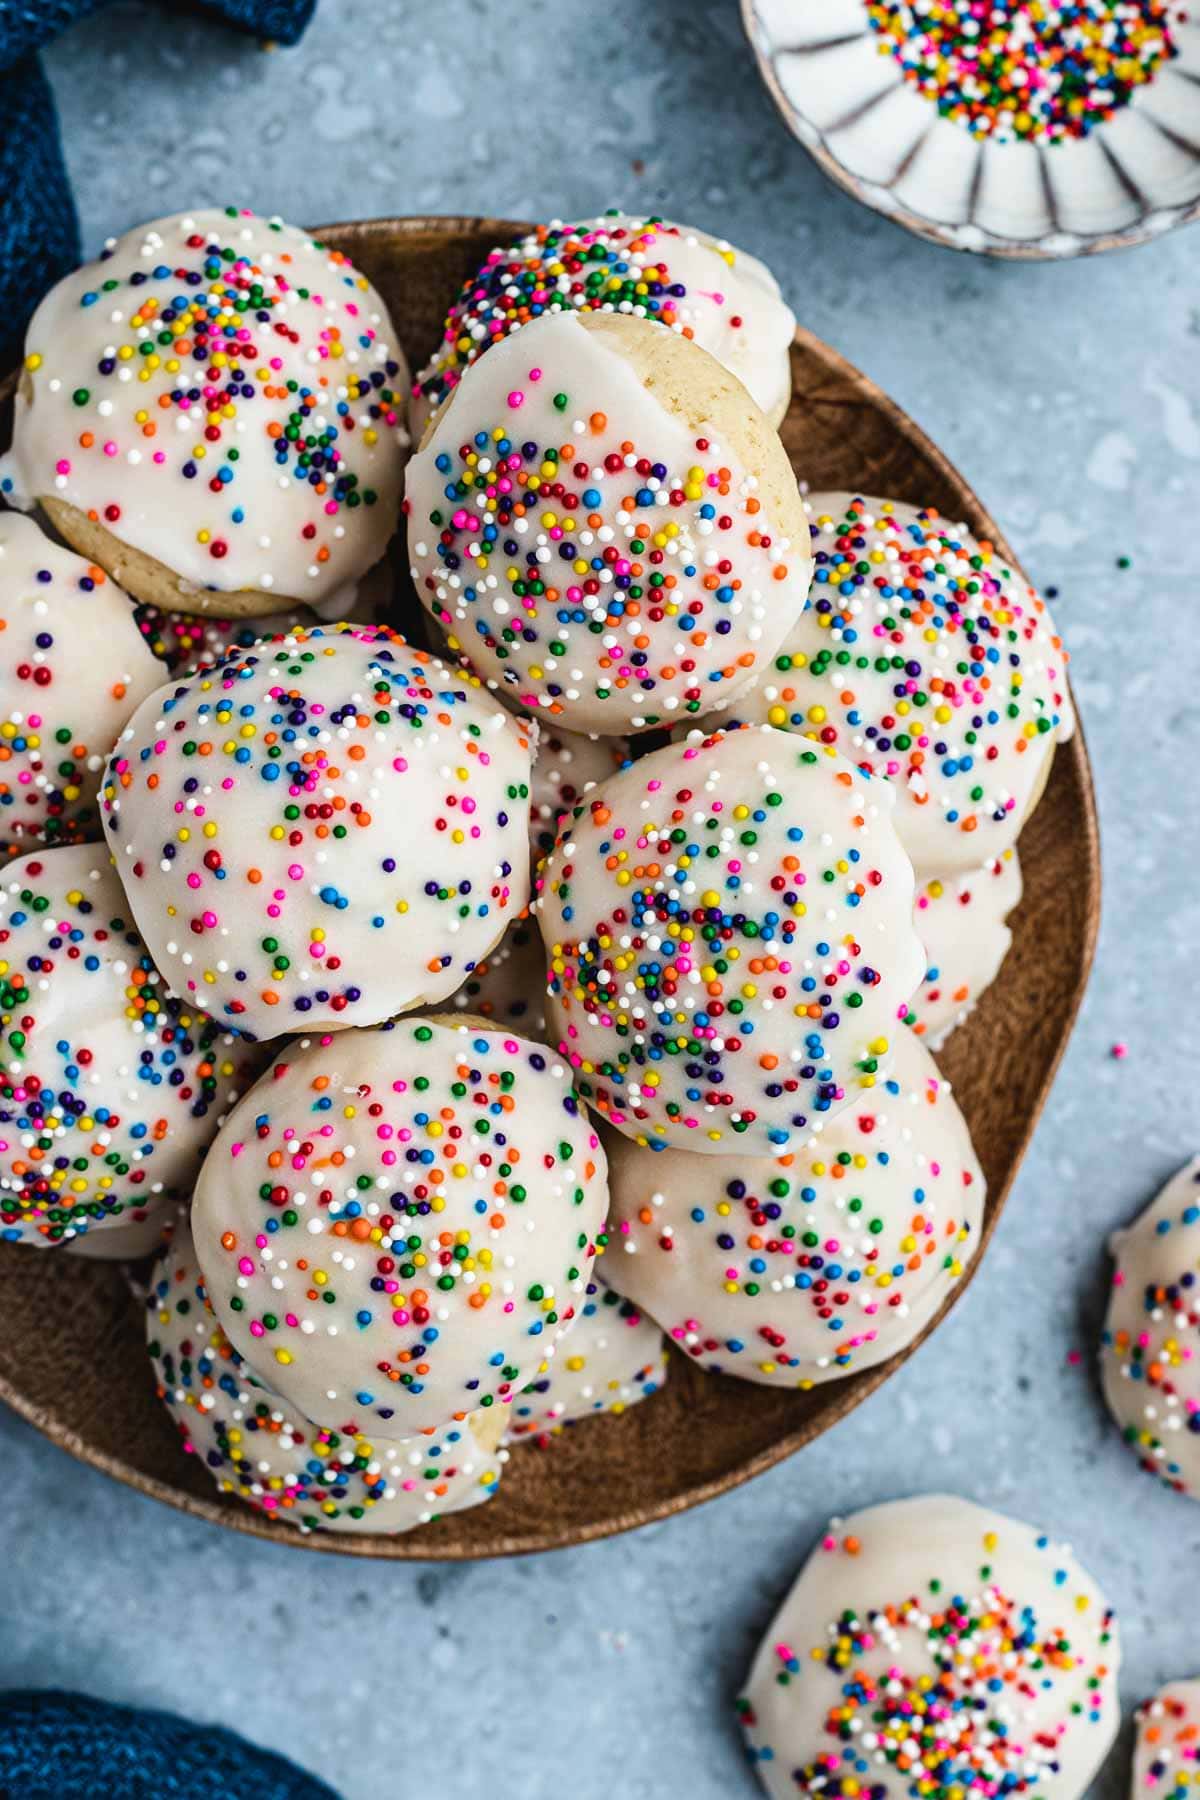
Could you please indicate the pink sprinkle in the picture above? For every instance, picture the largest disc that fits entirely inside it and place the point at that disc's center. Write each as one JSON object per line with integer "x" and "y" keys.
{"x": 1119, "y": 1052}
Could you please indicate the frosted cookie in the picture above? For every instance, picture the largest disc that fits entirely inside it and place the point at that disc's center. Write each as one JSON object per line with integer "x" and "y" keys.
{"x": 111, "y": 1090}
{"x": 183, "y": 641}
{"x": 606, "y": 527}
{"x": 508, "y": 987}
{"x": 322, "y": 830}
{"x": 254, "y": 1444}
{"x": 214, "y": 412}
{"x": 962, "y": 922}
{"x": 801, "y": 1269}
{"x": 1150, "y": 1350}
{"x": 926, "y": 659}
{"x": 728, "y": 926}
{"x": 699, "y": 286}
{"x": 1166, "y": 1761}
{"x": 72, "y": 669}
{"x": 935, "y": 1648}
{"x": 614, "y": 1357}
{"x": 564, "y": 767}
{"x": 400, "y": 1224}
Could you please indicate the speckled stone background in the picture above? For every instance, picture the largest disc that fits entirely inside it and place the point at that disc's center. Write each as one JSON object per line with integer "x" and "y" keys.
{"x": 1070, "y": 397}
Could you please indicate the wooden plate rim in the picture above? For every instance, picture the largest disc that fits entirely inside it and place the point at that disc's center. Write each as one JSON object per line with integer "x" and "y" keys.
{"x": 233, "y": 1514}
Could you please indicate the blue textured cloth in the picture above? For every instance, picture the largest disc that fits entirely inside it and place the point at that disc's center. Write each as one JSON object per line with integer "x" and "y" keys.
{"x": 39, "y": 229}
{"x": 66, "y": 1747}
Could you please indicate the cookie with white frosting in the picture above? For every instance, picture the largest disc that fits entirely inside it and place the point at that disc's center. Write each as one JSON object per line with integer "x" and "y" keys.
{"x": 606, "y": 526}
{"x": 214, "y": 411}
{"x": 322, "y": 830}
{"x": 615, "y": 1356}
{"x": 936, "y": 1648}
{"x": 805, "y": 1268}
{"x": 728, "y": 929}
{"x": 1166, "y": 1760}
{"x": 72, "y": 669}
{"x": 1150, "y": 1350}
{"x": 646, "y": 268}
{"x": 962, "y": 920}
{"x": 112, "y": 1089}
{"x": 257, "y": 1446}
{"x": 399, "y": 1224}
{"x": 928, "y": 659}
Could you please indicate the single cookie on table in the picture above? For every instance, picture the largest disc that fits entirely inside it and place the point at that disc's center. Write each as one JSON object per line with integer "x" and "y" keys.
{"x": 565, "y": 766}
{"x": 938, "y": 1648}
{"x": 697, "y": 285}
{"x": 1166, "y": 1760}
{"x": 185, "y": 640}
{"x": 1150, "y": 1350}
{"x": 928, "y": 660}
{"x": 322, "y": 830}
{"x": 400, "y": 1223}
{"x": 606, "y": 526}
{"x": 962, "y": 922}
{"x": 614, "y": 1357}
{"x": 256, "y": 1445}
{"x": 801, "y": 1269}
{"x": 728, "y": 927}
{"x": 73, "y": 670}
{"x": 112, "y": 1089}
{"x": 508, "y": 987}
{"x": 214, "y": 412}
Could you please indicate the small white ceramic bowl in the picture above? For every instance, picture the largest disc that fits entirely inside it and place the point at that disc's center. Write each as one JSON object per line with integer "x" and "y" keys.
{"x": 844, "y": 96}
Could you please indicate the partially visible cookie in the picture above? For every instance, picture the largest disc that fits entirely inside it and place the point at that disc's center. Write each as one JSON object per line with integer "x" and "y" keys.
{"x": 257, "y": 1446}
{"x": 214, "y": 411}
{"x": 1150, "y": 1350}
{"x": 936, "y": 1648}
{"x": 614, "y": 1357}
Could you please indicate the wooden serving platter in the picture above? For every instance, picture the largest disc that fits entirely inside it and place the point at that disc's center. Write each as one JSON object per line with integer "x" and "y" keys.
{"x": 72, "y": 1347}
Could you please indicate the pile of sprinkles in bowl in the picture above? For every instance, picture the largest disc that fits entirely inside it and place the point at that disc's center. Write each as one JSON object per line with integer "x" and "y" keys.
{"x": 1026, "y": 68}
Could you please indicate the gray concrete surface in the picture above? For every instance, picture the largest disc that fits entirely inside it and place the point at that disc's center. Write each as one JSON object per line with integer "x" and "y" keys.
{"x": 1070, "y": 397}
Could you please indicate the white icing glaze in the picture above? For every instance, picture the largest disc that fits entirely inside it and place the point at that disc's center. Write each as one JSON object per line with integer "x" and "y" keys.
{"x": 112, "y": 1090}
{"x": 274, "y": 874}
{"x": 614, "y": 1357}
{"x": 1166, "y": 1759}
{"x": 931, "y": 1646}
{"x": 925, "y": 599}
{"x": 435, "y": 1191}
{"x": 72, "y": 669}
{"x": 659, "y": 594}
{"x": 804, "y": 1269}
{"x": 729, "y": 934}
{"x": 727, "y": 301}
{"x": 254, "y": 1444}
{"x": 1150, "y": 1353}
{"x": 961, "y": 922}
{"x": 126, "y": 334}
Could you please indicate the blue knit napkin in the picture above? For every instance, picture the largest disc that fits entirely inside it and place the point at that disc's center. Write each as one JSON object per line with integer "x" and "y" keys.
{"x": 39, "y": 229}
{"x": 66, "y": 1747}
